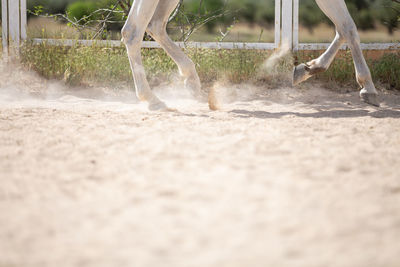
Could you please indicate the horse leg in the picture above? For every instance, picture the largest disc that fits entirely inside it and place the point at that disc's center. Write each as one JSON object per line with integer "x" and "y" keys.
{"x": 305, "y": 71}
{"x": 346, "y": 28}
{"x": 157, "y": 28}
{"x": 132, "y": 34}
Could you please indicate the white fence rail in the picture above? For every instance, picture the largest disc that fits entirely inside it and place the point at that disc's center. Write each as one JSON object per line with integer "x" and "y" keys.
{"x": 212, "y": 45}
{"x": 14, "y": 25}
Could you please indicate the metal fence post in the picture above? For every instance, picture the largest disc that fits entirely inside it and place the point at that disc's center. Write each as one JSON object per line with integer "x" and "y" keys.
{"x": 14, "y": 23}
{"x": 23, "y": 17}
{"x": 287, "y": 24}
{"x": 277, "y": 23}
{"x": 4, "y": 20}
{"x": 295, "y": 25}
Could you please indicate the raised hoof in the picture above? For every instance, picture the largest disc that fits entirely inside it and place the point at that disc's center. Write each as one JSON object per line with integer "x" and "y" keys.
{"x": 300, "y": 74}
{"x": 371, "y": 99}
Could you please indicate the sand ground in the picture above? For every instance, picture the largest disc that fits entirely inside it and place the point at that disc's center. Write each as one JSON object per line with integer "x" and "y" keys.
{"x": 284, "y": 177}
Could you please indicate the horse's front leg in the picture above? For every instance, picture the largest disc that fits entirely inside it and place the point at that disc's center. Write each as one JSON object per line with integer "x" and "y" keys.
{"x": 305, "y": 71}
{"x": 132, "y": 33}
{"x": 158, "y": 30}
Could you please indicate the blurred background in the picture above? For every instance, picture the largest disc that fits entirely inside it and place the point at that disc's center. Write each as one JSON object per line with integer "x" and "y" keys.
{"x": 210, "y": 20}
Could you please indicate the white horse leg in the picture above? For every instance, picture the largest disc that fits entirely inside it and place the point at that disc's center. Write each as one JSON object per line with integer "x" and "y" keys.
{"x": 132, "y": 33}
{"x": 346, "y": 28}
{"x": 305, "y": 71}
{"x": 158, "y": 30}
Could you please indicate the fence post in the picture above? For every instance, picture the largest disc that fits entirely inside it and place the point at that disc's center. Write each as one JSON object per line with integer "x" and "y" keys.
{"x": 277, "y": 23}
{"x": 4, "y": 25}
{"x": 24, "y": 20}
{"x": 287, "y": 24}
{"x": 14, "y": 22}
{"x": 14, "y": 25}
{"x": 295, "y": 25}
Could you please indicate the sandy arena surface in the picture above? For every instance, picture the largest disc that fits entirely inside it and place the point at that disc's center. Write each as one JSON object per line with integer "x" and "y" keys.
{"x": 284, "y": 177}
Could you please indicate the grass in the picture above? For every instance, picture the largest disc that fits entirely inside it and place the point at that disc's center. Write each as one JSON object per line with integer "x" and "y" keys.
{"x": 80, "y": 65}
{"x": 109, "y": 66}
{"x": 384, "y": 66}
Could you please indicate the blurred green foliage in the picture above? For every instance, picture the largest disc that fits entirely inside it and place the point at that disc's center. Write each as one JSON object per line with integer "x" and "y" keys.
{"x": 366, "y": 13}
{"x": 50, "y": 6}
{"x": 78, "y": 11}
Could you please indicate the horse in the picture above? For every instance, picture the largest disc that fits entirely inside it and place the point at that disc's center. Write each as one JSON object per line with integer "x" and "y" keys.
{"x": 152, "y": 16}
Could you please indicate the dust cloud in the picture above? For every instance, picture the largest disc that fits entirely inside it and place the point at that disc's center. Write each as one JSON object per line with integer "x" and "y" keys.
{"x": 23, "y": 88}
{"x": 26, "y": 88}
{"x": 276, "y": 71}
{"x": 274, "y": 61}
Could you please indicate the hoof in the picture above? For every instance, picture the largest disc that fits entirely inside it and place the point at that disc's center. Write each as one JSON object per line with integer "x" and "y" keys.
{"x": 194, "y": 87}
{"x": 371, "y": 99}
{"x": 161, "y": 107}
{"x": 157, "y": 106}
{"x": 300, "y": 74}
{"x": 200, "y": 96}
{"x": 197, "y": 93}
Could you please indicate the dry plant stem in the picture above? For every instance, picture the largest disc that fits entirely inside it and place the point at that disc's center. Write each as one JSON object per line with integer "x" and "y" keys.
{"x": 86, "y": 22}
{"x": 126, "y": 6}
{"x": 103, "y": 23}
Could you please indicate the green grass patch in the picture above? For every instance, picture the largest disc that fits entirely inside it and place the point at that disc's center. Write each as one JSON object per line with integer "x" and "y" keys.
{"x": 103, "y": 65}
{"x": 385, "y": 70}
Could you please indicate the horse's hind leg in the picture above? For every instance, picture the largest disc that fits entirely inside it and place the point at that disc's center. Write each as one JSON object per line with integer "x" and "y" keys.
{"x": 158, "y": 30}
{"x": 132, "y": 33}
{"x": 346, "y": 28}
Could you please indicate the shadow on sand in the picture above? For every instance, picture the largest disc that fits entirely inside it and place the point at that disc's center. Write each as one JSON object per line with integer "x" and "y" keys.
{"x": 321, "y": 103}
{"x": 383, "y": 113}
